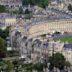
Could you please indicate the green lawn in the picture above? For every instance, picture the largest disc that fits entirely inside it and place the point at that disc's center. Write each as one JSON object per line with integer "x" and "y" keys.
{"x": 65, "y": 39}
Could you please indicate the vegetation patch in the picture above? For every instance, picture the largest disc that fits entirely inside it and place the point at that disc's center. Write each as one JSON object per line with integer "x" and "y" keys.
{"x": 41, "y": 3}
{"x": 65, "y": 39}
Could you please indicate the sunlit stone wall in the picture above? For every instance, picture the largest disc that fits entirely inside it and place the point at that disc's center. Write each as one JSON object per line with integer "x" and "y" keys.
{"x": 50, "y": 27}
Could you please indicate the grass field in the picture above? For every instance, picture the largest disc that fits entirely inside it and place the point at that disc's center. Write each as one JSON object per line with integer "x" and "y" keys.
{"x": 65, "y": 39}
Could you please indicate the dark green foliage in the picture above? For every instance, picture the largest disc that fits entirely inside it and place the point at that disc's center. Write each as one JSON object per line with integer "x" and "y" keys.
{"x": 20, "y": 10}
{"x": 41, "y": 3}
{"x": 38, "y": 66}
{"x": 3, "y": 50}
{"x": 9, "y": 67}
{"x": 28, "y": 14}
{"x": 70, "y": 7}
{"x": 4, "y": 33}
{"x": 27, "y": 11}
{"x": 15, "y": 63}
{"x": 6, "y": 66}
{"x": 43, "y": 35}
{"x": 2, "y": 9}
{"x": 28, "y": 67}
{"x": 15, "y": 12}
{"x": 57, "y": 60}
{"x": 67, "y": 64}
{"x": 25, "y": 2}
{"x": 12, "y": 53}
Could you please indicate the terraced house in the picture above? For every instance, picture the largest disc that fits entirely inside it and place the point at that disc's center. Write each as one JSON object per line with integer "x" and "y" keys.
{"x": 14, "y": 3}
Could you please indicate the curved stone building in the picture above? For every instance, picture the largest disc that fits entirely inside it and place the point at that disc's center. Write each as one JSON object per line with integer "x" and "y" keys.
{"x": 50, "y": 27}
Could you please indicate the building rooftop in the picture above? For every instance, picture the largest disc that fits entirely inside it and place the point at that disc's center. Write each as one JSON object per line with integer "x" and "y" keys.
{"x": 68, "y": 46}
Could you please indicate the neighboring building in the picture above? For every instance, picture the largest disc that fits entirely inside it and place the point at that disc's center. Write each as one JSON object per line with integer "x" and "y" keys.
{"x": 50, "y": 27}
{"x": 10, "y": 21}
{"x": 65, "y": 49}
{"x": 39, "y": 48}
{"x": 60, "y": 4}
{"x": 67, "y": 52}
{"x": 7, "y": 20}
{"x": 55, "y": 47}
{"x": 14, "y": 3}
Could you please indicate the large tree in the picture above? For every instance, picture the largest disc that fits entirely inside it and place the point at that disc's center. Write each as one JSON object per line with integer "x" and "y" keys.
{"x": 2, "y": 48}
{"x": 57, "y": 60}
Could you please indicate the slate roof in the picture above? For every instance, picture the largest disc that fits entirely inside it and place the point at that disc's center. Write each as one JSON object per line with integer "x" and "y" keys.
{"x": 68, "y": 46}
{"x": 45, "y": 45}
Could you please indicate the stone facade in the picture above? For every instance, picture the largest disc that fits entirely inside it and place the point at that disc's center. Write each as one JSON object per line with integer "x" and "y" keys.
{"x": 50, "y": 27}
{"x": 11, "y": 2}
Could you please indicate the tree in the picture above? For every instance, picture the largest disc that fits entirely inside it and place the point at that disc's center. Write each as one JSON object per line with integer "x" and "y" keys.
{"x": 57, "y": 32}
{"x": 20, "y": 10}
{"x": 4, "y": 33}
{"x": 67, "y": 64}
{"x": 28, "y": 14}
{"x": 27, "y": 11}
{"x": 43, "y": 36}
{"x": 3, "y": 50}
{"x": 15, "y": 12}
{"x": 38, "y": 66}
{"x": 25, "y": 2}
{"x": 28, "y": 67}
{"x": 3, "y": 65}
{"x": 2, "y": 9}
{"x": 70, "y": 7}
{"x": 16, "y": 65}
{"x": 41, "y": 3}
{"x": 6, "y": 66}
{"x": 57, "y": 60}
{"x": 9, "y": 67}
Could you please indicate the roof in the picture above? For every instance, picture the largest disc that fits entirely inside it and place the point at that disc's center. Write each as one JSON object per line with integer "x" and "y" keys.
{"x": 45, "y": 45}
{"x": 67, "y": 45}
{"x": 17, "y": 33}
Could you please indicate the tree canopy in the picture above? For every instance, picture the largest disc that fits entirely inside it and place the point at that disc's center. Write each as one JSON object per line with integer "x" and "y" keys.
{"x": 2, "y": 9}
{"x": 41, "y": 3}
{"x": 57, "y": 60}
{"x": 67, "y": 64}
{"x": 4, "y": 33}
{"x": 2, "y": 48}
{"x": 70, "y": 7}
{"x": 20, "y": 10}
{"x": 38, "y": 66}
